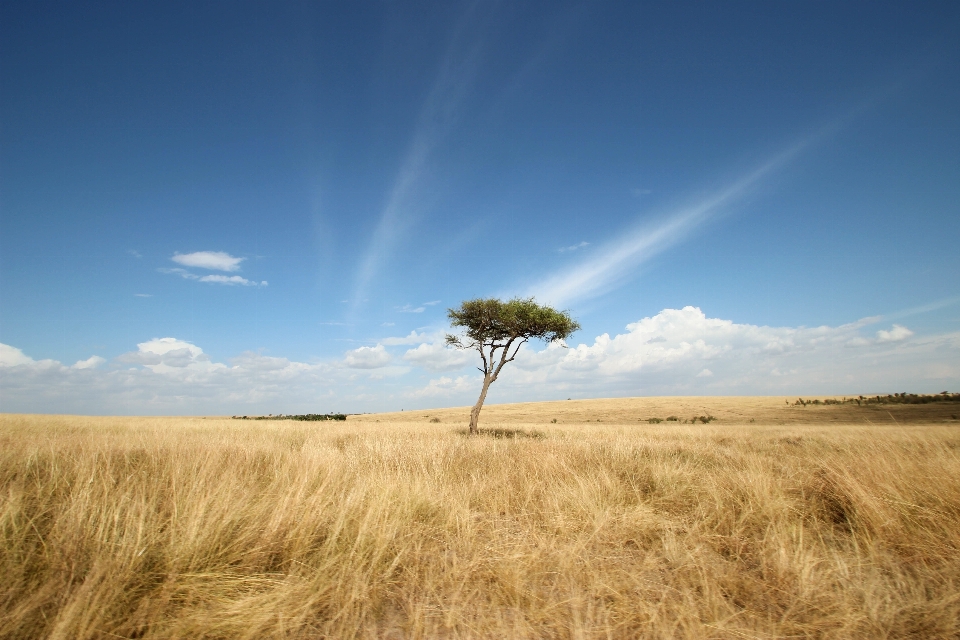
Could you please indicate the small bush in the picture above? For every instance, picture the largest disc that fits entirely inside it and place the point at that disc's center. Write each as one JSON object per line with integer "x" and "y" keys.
{"x": 434, "y": 419}
{"x": 309, "y": 417}
{"x": 654, "y": 420}
{"x": 673, "y": 419}
{"x": 510, "y": 434}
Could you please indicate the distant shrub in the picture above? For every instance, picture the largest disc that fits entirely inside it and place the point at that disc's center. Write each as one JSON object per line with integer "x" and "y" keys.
{"x": 896, "y": 398}
{"x": 508, "y": 434}
{"x": 554, "y": 421}
{"x": 308, "y": 417}
{"x": 654, "y": 420}
{"x": 673, "y": 419}
{"x": 434, "y": 419}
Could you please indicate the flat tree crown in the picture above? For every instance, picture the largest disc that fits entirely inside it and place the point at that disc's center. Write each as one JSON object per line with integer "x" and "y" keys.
{"x": 489, "y": 320}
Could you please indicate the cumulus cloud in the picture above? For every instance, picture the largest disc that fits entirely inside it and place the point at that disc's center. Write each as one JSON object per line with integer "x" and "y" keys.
{"x": 89, "y": 363}
{"x": 682, "y": 351}
{"x": 13, "y": 357}
{"x": 412, "y": 338}
{"x": 367, "y": 358}
{"x": 445, "y": 387}
{"x": 675, "y": 352}
{"x": 437, "y": 357}
{"x": 896, "y": 334}
{"x": 170, "y": 356}
{"x": 212, "y": 260}
{"x": 169, "y": 376}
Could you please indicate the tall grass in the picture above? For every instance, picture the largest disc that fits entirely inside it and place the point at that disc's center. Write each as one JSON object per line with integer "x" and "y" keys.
{"x": 183, "y": 528}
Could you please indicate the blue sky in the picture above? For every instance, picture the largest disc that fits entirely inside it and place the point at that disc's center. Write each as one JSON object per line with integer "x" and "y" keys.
{"x": 268, "y": 207}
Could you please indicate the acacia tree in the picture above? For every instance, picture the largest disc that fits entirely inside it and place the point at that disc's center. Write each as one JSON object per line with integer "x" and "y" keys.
{"x": 498, "y": 329}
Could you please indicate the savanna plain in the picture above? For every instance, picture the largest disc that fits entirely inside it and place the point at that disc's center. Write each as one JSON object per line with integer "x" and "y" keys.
{"x": 728, "y": 518}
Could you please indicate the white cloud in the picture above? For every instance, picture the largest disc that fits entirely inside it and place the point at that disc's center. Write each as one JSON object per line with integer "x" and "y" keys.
{"x": 445, "y": 387}
{"x": 409, "y": 309}
{"x": 89, "y": 363}
{"x": 666, "y": 354}
{"x": 214, "y": 278}
{"x": 212, "y": 260}
{"x": 413, "y": 338}
{"x": 431, "y": 303}
{"x": 13, "y": 357}
{"x": 218, "y": 279}
{"x": 170, "y": 356}
{"x": 143, "y": 295}
{"x": 437, "y": 357}
{"x": 367, "y": 358}
{"x": 170, "y": 376}
{"x": 134, "y": 253}
{"x": 681, "y": 351}
{"x": 896, "y": 334}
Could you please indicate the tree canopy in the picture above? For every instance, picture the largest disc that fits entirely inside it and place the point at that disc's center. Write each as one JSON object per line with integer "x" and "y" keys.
{"x": 493, "y": 326}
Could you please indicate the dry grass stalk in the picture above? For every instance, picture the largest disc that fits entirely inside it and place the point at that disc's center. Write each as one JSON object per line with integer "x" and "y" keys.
{"x": 191, "y": 528}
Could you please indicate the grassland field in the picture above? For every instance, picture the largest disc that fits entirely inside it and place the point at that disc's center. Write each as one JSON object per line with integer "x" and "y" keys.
{"x": 570, "y": 519}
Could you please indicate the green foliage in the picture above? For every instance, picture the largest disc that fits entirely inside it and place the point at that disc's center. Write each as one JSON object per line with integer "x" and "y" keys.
{"x": 490, "y": 320}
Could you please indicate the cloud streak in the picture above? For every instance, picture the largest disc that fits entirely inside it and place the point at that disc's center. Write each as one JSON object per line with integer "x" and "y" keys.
{"x": 406, "y": 202}
{"x": 612, "y": 263}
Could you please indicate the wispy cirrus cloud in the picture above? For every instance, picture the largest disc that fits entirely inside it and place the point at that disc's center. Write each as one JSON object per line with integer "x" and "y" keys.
{"x": 212, "y": 260}
{"x": 407, "y": 202}
{"x": 611, "y": 263}
{"x": 574, "y": 247}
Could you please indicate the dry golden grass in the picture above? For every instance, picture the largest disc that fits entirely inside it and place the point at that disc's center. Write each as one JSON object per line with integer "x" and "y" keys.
{"x": 213, "y": 528}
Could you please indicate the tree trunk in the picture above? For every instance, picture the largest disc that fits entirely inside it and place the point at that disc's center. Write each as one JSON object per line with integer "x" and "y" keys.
{"x": 475, "y": 412}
